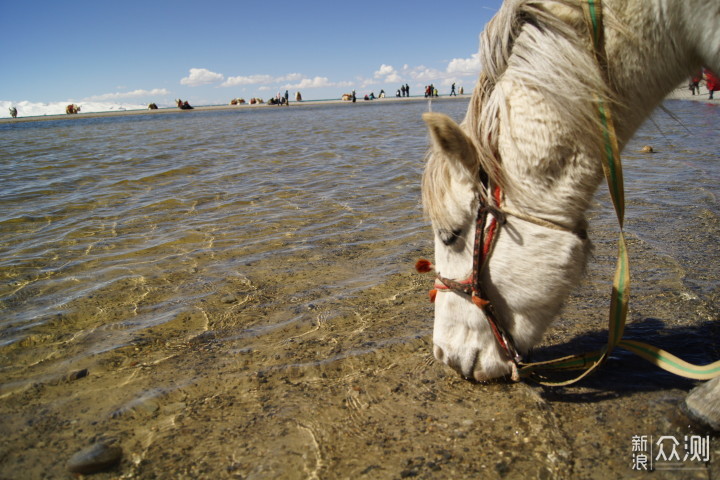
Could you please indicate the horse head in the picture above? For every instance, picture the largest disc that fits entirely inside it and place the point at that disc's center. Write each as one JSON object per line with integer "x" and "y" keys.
{"x": 531, "y": 264}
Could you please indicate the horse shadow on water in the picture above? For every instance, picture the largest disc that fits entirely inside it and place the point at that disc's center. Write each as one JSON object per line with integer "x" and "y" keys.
{"x": 624, "y": 373}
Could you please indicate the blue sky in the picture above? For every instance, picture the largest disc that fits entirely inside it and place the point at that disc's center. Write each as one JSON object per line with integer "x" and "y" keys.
{"x": 133, "y": 52}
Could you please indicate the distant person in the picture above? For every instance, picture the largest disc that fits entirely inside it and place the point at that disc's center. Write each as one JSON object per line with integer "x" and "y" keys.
{"x": 13, "y": 112}
{"x": 462, "y": 91}
{"x": 407, "y": 90}
{"x": 694, "y": 84}
{"x": 354, "y": 98}
{"x": 398, "y": 92}
{"x": 712, "y": 82}
{"x": 452, "y": 90}
{"x": 382, "y": 94}
{"x": 298, "y": 97}
{"x": 287, "y": 98}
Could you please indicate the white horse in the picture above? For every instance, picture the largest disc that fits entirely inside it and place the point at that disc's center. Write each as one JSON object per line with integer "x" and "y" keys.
{"x": 532, "y": 129}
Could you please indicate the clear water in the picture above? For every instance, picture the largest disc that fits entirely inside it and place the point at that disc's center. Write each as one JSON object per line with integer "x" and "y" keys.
{"x": 112, "y": 226}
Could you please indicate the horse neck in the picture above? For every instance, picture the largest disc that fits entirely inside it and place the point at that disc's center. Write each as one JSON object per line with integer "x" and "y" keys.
{"x": 651, "y": 46}
{"x": 661, "y": 44}
{"x": 550, "y": 173}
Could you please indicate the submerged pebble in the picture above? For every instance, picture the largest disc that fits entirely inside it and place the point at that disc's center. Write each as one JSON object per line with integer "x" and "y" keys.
{"x": 95, "y": 458}
{"x": 71, "y": 377}
{"x": 227, "y": 299}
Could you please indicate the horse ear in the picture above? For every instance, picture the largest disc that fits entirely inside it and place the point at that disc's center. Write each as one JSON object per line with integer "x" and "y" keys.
{"x": 449, "y": 139}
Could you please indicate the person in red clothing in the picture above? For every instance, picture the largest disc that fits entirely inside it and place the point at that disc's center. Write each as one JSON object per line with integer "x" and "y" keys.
{"x": 694, "y": 84}
{"x": 712, "y": 81}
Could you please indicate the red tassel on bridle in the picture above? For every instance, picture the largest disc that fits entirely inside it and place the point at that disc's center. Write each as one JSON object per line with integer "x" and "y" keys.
{"x": 424, "y": 266}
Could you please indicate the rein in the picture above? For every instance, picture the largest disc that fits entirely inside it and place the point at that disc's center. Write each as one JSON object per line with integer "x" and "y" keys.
{"x": 486, "y": 234}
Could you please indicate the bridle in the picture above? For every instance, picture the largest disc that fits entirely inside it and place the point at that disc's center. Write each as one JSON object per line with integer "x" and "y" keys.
{"x": 490, "y": 218}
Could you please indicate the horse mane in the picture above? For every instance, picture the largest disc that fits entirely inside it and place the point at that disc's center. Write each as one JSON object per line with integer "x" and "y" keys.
{"x": 540, "y": 45}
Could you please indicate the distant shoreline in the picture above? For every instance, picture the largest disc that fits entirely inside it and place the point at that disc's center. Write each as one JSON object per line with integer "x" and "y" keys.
{"x": 162, "y": 111}
{"x": 680, "y": 93}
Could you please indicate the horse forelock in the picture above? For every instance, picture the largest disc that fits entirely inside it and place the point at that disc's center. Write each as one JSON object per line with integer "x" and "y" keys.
{"x": 538, "y": 45}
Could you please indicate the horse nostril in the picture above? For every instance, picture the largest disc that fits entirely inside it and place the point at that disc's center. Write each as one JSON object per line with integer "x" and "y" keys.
{"x": 439, "y": 354}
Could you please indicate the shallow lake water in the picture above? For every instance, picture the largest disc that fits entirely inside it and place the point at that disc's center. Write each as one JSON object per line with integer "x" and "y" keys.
{"x": 231, "y": 294}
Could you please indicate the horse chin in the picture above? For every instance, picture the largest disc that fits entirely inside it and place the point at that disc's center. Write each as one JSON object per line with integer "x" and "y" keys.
{"x": 468, "y": 346}
{"x": 471, "y": 366}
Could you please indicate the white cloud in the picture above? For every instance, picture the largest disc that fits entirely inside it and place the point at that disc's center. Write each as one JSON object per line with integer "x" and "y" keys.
{"x": 201, "y": 76}
{"x": 455, "y": 70}
{"x": 384, "y": 71}
{"x": 317, "y": 82}
{"x": 247, "y": 80}
{"x": 424, "y": 74}
{"x": 291, "y": 77}
{"x": 465, "y": 66}
{"x": 291, "y": 80}
{"x": 32, "y": 109}
{"x": 388, "y": 74}
{"x": 133, "y": 94}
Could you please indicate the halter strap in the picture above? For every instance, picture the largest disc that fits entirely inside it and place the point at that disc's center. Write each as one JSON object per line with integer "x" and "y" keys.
{"x": 578, "y": 231}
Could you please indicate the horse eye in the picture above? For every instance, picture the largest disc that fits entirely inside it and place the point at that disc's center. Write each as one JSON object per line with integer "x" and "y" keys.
{"x": 449, "y": 237}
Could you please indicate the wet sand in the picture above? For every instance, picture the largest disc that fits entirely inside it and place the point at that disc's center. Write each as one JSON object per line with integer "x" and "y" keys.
{"x": 335, "y": 399}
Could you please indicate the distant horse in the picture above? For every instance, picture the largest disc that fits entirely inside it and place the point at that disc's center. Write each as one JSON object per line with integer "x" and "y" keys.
{"x": 237, "y": 101}
{"x": 13, "y": 112}
{"x": 72, "y": 109}
{"x": 183, "y": 105}
{"x": 152, "y": 106}
{"x": 527, "y": 157}
{"x": 347, "y": 97}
